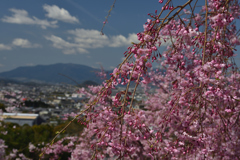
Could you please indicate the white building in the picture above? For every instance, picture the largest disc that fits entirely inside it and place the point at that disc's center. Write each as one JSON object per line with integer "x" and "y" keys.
{"x": 22, "y": 118}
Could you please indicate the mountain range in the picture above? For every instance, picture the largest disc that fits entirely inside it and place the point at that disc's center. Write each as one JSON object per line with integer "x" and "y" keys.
{"x": 56, "y": 73}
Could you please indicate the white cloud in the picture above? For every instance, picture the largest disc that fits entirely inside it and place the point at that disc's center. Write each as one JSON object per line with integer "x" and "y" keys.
{"x": 21, "y": 17}
{"x": 19, "y": 42}
{"x": 68, "y": 48}
{"x": 5, "y": 47}
{"x": 82, "y": 50}
{"x": 89, "y": 38}
{"x": 24, "y": 43}
{"x": 59, "y": 43}
{"x": 94, "y": 39}
{"x": 120, "y": 40}
{"x": 60, "y": 14}
{"x": 83, "y": 39}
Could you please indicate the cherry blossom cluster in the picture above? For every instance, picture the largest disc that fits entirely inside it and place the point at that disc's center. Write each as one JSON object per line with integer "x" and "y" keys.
{"x": 194, "y": 111}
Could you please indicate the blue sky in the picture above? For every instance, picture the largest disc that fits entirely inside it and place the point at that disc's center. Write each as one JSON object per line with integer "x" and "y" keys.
{"x": 68, "y": 31}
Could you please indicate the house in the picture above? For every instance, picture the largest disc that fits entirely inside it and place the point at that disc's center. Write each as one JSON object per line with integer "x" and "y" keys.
{"x": 23, "y": 118}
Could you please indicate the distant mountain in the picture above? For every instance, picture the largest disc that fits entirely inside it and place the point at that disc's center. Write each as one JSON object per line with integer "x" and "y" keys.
{"x": 55, "y": 73}
{"x": 4, "y": 81}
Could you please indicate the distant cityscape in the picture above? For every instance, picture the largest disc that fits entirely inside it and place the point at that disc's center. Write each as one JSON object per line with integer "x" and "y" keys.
{"x": 49, "y": 101}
